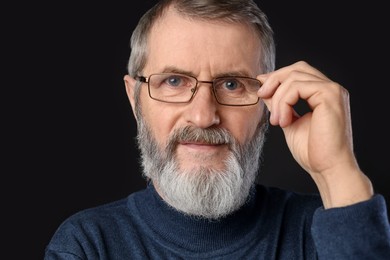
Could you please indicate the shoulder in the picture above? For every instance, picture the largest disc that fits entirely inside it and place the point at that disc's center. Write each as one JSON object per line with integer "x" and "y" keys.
{"x": 92, "y": 218}
{"x": 109, "y": 212}
{"x": 109, "y": 215}
{"x": 94, "y": 226}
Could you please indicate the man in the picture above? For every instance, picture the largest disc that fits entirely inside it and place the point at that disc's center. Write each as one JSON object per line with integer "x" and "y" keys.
{"x": 203, "y": 89}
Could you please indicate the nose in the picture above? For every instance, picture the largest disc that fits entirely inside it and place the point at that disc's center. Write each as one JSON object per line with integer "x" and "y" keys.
{"x": 203, "y": 108}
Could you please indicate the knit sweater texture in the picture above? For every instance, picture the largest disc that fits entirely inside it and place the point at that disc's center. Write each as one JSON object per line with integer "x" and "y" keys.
{"x": 273, "y": 224}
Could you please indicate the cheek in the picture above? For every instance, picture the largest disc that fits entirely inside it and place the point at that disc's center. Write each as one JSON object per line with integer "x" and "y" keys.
{"x": 243, "y": 125}
{"x": 160, "y": 119}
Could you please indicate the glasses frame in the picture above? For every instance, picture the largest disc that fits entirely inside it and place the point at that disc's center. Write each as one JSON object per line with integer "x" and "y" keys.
{"x": 144, "y": 79}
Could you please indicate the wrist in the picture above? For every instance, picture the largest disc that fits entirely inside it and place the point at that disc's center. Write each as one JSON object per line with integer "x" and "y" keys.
{"x": 344, "y": 188}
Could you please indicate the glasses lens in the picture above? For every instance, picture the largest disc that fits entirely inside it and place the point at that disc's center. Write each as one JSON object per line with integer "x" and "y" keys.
{"x": 179, "y": 88}
{"x": 236, "y": 91}
{"x": 170, "y": 87}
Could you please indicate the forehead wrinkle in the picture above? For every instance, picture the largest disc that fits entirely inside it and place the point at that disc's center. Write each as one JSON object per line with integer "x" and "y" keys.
{"x": 174, "y": 69}
{"x": 208, "y": 60}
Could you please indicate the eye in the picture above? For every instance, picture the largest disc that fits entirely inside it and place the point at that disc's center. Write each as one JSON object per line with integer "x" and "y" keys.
{"x": 230, "y": 84}
{"x": 175, "y": 81}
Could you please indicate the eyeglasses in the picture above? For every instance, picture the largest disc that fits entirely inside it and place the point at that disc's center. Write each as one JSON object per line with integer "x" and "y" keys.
{"x": 180, "y": 88}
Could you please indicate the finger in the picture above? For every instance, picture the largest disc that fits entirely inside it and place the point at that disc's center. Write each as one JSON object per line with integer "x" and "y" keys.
{"x": 272, "y": 80}
{"x": 282, "y": 97}
{"x": 313, "y": 93}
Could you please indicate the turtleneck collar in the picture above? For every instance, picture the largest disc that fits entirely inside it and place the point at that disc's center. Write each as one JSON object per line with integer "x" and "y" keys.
{"x": 199, "y": 234}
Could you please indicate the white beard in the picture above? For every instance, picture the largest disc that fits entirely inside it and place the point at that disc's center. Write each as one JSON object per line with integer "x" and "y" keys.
{"x": 202, "y": 192}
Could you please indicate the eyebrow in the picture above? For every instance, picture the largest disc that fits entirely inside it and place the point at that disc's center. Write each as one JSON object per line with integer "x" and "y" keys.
{"x": 172, "y": 69}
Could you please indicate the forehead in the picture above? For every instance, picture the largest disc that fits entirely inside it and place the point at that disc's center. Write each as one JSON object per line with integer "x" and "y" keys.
{"x": 197, "y": 45}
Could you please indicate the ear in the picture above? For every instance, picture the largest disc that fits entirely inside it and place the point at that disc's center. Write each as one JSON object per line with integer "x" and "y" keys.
{"x": 130, "y": 83}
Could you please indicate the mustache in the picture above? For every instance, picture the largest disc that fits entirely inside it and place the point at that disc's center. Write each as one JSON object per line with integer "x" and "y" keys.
{"x": 212, "y": 135}
{"x": 209, "y": 135}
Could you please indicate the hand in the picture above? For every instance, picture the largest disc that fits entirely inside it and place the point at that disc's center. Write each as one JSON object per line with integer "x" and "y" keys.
{"x": 320, "y": 140}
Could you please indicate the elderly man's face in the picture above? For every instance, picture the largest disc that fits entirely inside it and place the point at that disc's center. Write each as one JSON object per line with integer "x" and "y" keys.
{"x": 204, "y": 50}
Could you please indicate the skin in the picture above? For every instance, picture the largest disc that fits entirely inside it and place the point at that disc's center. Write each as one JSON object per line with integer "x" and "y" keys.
{"x": 199, "y": 49}
{"x": 320, "y": 141}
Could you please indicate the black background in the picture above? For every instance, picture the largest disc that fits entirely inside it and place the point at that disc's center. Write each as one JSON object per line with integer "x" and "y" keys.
{"x": 69, "y": 129}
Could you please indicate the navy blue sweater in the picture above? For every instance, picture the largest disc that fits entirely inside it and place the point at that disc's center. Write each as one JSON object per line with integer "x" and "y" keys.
{"x": 274, "y": 224}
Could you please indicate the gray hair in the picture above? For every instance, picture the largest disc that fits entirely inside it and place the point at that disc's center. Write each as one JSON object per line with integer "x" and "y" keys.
{"x": 229, "y": 11}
